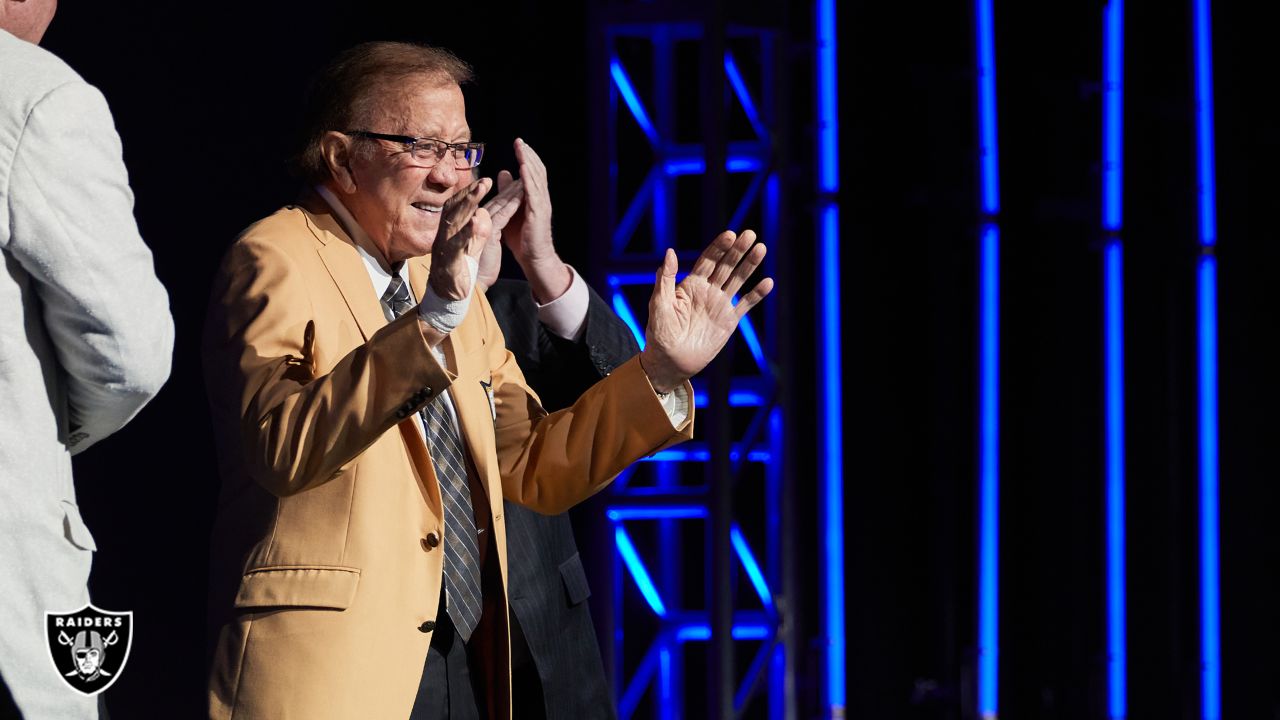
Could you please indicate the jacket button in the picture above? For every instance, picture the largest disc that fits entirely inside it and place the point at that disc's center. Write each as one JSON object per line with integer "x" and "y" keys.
{"x": 426, "y": 392}
{"x": 430, "y": 541}
{"x": 427, "y": 626}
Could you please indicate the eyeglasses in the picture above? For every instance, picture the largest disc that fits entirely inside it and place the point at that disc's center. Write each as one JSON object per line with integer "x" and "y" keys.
{"x": 426, "y": 152}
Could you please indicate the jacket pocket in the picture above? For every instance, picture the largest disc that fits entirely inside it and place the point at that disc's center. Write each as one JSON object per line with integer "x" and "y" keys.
{"x": 311, "y": 586}
{"x": 575, "y": 580}
{"x": 74, "y": 528}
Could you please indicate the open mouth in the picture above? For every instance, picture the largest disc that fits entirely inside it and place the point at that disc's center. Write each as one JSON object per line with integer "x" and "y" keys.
{"x": 428, "y": 208}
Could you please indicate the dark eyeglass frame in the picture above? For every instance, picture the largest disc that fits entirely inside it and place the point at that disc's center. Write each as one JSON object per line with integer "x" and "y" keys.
{"x": 472, "y": 152}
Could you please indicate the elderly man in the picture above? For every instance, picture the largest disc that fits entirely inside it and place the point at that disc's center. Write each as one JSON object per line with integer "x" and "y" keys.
{"x": 85, "y": 341}
{"x": 370, "y": 417}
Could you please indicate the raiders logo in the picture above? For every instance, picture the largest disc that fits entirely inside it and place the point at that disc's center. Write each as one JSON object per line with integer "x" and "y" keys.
{"x": 89, "y": 646}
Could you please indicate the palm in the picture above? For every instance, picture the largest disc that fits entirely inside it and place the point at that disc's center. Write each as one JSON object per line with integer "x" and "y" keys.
{"x": 695, "y": 325}
{"x": 689, "y": 323}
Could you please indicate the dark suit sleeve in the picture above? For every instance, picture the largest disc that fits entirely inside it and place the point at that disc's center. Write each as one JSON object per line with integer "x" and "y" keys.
{"x": 560, "y": 370}
{"x": 553, "y": 643}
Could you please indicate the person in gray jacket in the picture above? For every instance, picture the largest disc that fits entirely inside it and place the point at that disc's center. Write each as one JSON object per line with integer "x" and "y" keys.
{"x": 86, "y": 340}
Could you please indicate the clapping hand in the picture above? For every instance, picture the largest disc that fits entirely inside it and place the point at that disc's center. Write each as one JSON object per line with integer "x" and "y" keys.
{"x": 464, "y": 228}
{"x": 690, "y": 322}
{"x": 528, "y": 233}
{"x": 501, "y": 207}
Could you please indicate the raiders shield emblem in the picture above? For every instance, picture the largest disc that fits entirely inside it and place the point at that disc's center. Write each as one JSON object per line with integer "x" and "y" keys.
{"x": 89, "y": 646}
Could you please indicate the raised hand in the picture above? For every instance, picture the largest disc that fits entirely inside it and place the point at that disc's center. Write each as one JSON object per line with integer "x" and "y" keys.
{"x": 464, "y": 229}
{"x": 689, "y": 323}
{"x": 528, "y": 234}
{"x": 502, "y": 207}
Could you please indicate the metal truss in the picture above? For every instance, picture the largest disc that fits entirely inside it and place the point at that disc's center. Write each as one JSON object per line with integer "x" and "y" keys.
{"x": 699, "y": 625}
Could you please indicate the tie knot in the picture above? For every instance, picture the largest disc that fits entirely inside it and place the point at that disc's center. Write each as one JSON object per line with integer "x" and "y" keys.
{"x": 397, "y": 296}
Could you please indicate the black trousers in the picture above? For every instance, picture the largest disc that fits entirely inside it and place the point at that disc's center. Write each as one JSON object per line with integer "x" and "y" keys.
{"x": 449, "y": 688}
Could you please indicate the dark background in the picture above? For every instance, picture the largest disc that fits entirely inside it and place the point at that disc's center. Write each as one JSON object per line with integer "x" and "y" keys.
{"x": 205, "y": 99}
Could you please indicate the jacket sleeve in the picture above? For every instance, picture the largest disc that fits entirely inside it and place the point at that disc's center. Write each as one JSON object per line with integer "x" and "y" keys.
{"x": 73, "y": 231}
{"x": 609, "y": 342}
{"x": 298, "y": 426}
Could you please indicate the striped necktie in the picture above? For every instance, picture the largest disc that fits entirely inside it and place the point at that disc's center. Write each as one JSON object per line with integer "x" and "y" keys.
{"x": 461, "y": 549}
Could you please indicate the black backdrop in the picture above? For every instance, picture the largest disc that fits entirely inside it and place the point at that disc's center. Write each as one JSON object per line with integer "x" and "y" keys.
{"x": 204, "y": 98}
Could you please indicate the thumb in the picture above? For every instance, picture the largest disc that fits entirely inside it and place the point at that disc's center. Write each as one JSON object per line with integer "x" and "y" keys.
{"x": 504, "y": 179}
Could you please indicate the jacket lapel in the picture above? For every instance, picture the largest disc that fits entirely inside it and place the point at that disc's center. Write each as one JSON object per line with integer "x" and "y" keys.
{"x": 346, "y": 267}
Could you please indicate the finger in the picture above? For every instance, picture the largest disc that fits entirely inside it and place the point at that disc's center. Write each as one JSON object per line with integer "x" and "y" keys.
{"x": 744, "y": 269}
{"x": 531, "y": 162}
{"x": 706, "y": 262}
{"x": 506, "y": 203}
{"x": 753, "y": 298}
{"x": 458, "y": 209}
{"x": 477, "y": 233}
{"x": 504, "y": 179}
{"x": 664, "y": 285}
{"x": 534, "y": 173}
{"x": 729, "y": 260}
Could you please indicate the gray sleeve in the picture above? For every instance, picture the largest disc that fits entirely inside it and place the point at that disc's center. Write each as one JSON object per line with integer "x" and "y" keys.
{"x": 72, "y": 229}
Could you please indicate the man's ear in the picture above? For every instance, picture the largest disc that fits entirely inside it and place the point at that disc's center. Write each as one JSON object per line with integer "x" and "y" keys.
{"x": 336, "y": 150}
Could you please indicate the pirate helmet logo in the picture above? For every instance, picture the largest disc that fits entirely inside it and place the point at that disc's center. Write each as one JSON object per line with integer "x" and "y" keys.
{"x": 89, "y": 646}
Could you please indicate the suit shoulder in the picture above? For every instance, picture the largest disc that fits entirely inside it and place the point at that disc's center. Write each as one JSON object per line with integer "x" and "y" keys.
{"x": 29, "y": 72}
{"x": 287, "y": 231}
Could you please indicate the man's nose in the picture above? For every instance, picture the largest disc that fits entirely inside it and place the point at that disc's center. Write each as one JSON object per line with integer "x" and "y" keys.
{"x": 444, "y": 173}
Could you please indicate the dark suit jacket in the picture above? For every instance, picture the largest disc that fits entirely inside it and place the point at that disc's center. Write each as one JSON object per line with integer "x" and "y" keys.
{"x": 546, "y": 583}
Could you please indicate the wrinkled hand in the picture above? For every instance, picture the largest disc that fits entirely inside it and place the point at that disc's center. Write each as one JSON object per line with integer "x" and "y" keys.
{"x": 689, "y": 323}
{"x": 501, "y": 207}
{"x": 464, "y": 228}
{"x": 528, "y": 234}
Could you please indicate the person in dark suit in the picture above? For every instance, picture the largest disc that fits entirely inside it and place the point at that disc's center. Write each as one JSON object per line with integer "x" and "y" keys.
{"x": 563, "y": 349}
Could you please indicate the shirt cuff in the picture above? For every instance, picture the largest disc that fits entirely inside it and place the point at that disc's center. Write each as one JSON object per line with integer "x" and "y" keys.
{"x": 566, "y": 316}
{"x": 676, "y": 404}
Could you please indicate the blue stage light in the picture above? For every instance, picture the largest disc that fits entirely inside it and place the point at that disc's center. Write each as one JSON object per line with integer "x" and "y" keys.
{"x": 638, "y": 572}
{"x": 1113, "y": 114}
{"x": 1205, "y": 152}
{"x": 1115, "y": 481}
{"x": 702, "y": 631}
{"x": 624, "y": 311}
{"x": 632, "y": 100}
{"x": 697, "y": 166}
{"x": 990, "y": 160}
{"x": 1210, "y": 611}
{"x": 988, "y": 372}
{"x": 744, "y": 96}
{"x": 750, "y": 565}
{"x": 753, "y": 341}
{"x": 989, "y": 475}
{"x": 701, "y": 454}
{"x": 830, "y": 371}
{"x": 1113, "y": 301}
{"x": 1207, "y": 311}
{"x": 653, "y": 512}
{"x": 833, "y": 535}
{"x": 828, "y": 105}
